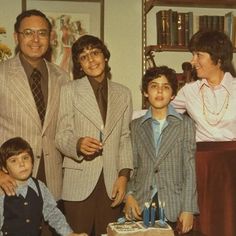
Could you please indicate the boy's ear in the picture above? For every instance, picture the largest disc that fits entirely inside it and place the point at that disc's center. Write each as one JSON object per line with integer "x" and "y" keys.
{"x": 4, "y": 170}
{"x": 145, "y": 94}
{"x": 172, "y": 97}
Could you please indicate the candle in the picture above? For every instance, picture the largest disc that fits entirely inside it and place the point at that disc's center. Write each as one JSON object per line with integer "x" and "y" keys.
{"x": 131, "y": 215}
{"x": 153, "y": 214}
{"x": 146, "y": 214}
{"x": 161, "y": 212}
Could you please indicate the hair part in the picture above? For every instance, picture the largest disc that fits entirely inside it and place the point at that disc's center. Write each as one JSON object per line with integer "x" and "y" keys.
{"x": 218, "y": 45}
{"x": 157, "y": 72}
{"x": 88, "y": 42}
{"x": 12, "y": 147}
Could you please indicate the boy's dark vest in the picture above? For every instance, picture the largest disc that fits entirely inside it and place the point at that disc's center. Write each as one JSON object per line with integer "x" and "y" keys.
{"x": 23, "y": 217}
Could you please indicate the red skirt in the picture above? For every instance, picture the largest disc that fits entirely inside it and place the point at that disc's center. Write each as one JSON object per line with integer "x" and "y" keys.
{"x": 216, "y": 185}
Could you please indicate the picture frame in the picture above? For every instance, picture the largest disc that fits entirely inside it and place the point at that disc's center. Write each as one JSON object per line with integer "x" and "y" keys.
{"x": 70, "y": 20}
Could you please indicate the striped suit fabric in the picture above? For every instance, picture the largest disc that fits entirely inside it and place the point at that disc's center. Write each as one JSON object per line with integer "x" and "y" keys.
{"x": 19, "y": 117}
{"x": 79, "y": 116}
{"x": 173, "y": 168}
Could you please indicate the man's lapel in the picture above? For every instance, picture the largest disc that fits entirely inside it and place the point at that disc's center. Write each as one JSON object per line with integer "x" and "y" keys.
{"x": 116, "y": 106}
{"x": 168, "y": 139}
{"x": 53, "y": 93}
{"x": 145, "y": 133}
{"x": 85, "y": 101}
{"x": 18, "y": 84}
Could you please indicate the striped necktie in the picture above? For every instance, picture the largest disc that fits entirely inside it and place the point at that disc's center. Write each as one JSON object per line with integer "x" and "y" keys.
{"x": 38, "y": 94}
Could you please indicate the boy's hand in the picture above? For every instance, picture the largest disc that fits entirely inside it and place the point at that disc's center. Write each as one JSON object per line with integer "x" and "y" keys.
{"x": 131, "y": 208}
{"x": 7, "y": 183}
{"x": 186, "y": 220}
{"x": 118, "y": 192}
{"x": 89, "y": 146}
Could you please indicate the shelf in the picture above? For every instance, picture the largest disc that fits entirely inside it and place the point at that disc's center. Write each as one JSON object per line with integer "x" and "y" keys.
{"x": 161, "y": 48}
{"x": 190, "y": 3}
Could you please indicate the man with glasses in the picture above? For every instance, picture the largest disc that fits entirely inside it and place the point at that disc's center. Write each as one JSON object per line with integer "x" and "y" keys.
{"x": 29, "y": 100}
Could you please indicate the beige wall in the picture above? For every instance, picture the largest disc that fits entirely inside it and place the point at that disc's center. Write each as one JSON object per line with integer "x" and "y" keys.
{"x": 124, "y": 39}
{"x": 8, "y": 12}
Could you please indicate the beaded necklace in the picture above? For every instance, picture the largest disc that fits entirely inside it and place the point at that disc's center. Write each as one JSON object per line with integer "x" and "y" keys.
{"x": 217, "y": 115}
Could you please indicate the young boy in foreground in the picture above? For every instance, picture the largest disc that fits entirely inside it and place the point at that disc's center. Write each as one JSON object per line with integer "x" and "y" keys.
{"x": 22, "y": 214}
{"x": 164, "y": 154}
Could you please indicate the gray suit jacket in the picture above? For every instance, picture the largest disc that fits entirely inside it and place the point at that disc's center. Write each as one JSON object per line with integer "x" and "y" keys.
{"x": 79, "y": 116}
{"x": 173, "y": 169}
{"x": 19, "y": 117}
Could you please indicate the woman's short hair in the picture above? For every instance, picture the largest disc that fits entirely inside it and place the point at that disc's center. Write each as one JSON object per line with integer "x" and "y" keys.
{"x": 217, "y": 44}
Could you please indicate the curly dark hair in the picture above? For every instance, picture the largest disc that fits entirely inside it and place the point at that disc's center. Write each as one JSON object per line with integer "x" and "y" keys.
{"x": 85, "y": 42}
{"x": 155, "y": 72}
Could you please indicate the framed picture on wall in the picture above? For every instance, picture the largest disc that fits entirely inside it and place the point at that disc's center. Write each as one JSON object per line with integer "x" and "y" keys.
{"x": 70, "y": 19}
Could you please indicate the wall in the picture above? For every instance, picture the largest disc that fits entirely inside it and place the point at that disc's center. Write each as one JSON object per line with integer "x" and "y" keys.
{"x": 123, "y": 35}
{"x": 8, "y": 12}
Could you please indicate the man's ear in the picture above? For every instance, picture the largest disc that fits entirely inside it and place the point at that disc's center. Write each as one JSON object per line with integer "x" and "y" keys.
{"x": 15, "y": 38}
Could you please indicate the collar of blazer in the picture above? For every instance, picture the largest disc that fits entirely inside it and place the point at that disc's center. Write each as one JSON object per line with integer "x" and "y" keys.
{"x": 171, "y": 133}
{"x": 85, "y": 102}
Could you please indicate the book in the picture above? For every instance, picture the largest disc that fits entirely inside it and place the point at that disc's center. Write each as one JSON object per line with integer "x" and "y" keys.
{"x": 188, "y": 26}
{"x": 203, "y": 22}
{"x": 181, "y": 28}
{"x": 228, "y": 24}
{"x": 221, "y": 23}
{"x": 174, "y": 33}
{"x": 163, "y": 23}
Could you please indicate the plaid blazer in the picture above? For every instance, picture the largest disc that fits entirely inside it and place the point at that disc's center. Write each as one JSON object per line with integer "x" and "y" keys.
{"x": 172, "y": 169}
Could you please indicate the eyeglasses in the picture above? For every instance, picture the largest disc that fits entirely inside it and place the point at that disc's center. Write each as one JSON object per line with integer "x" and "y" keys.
{"x": 94, "y": 53}
{"x": 30, "y": 33}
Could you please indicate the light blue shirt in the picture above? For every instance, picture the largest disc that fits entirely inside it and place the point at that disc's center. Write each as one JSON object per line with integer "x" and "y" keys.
{"x": 158, "y": 131}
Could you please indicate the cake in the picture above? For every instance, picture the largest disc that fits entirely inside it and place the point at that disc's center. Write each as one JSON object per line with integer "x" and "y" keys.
{"x": 138, "y": 229}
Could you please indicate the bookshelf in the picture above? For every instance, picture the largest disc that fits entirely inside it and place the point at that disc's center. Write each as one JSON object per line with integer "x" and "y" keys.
{"x": 150, "y": 49}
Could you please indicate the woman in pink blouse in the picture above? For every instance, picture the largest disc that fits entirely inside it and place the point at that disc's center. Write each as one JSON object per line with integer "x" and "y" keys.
{"x": 211, "y": 102}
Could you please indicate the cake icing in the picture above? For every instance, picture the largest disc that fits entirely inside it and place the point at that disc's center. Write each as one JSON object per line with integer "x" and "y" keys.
{"x": 138, "y": 229}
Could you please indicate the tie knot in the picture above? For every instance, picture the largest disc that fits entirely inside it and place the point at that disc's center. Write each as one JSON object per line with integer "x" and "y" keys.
{"x": 36, "y": 75}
